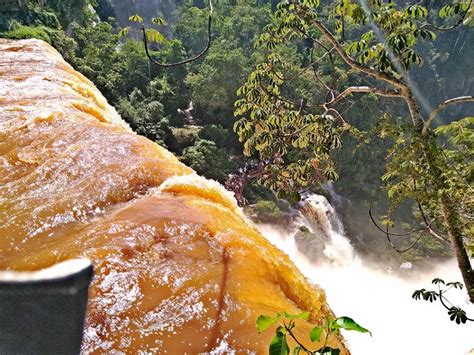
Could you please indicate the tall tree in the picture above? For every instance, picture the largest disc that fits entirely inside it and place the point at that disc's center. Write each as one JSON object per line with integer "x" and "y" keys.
{"x": 377, "y": 43}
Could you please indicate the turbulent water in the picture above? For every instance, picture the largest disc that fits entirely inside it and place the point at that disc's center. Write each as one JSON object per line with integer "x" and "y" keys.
{"x": 379, "y": 300}
{"x": 178, "y": 268}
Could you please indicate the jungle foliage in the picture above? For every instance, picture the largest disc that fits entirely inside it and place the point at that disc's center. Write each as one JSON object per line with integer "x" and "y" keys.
{"x": 374, "y": 44}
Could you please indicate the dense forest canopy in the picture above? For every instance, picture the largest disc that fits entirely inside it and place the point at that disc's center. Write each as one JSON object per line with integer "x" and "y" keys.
{"x": 295, "y": 136}
{"x": 307, "y": 110}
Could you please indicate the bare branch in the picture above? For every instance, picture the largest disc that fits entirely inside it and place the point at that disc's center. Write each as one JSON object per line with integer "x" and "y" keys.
{"x": 421, "y": 230}
{"x": 314, "y": 66}
{"x": 390, "y": 233}
{"x": 449, "y": 28}
{"x": 442, "y": 106}
{"x": 199, "y": 55}
{"x": 328, "y": 52}
{"x": 428, "y": 225}
{"x": 342, "y": 121}
{"x": 364, "y": 89}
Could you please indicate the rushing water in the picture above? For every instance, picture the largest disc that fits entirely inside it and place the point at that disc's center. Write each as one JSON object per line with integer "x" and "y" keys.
{"x": 178, "y": 267}
{"x": 379, "y": 300}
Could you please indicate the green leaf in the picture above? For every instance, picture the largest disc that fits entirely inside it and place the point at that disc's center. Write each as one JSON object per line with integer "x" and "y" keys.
{"x": 158, "y": 21}
{"x": 154, "y": 36}
{"x": 437, "y": 281}
{"x": 443, "y": 12}
{"x": 348, "y": 324}
{"x": 123, "y": 32}
{"x": 302, "y": 315}
{"x": 136, "y": 18}
{"x": 263, "y": 322}
{"x": 279, "y": 345}
{"x": 315, "y": 334}
{"x": 457, "y": 314}
{"x": 388, "y": 176}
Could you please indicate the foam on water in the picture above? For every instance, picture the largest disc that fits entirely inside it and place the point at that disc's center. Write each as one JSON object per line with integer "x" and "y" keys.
{"x": 178, "y": 267}
{"x": 379, "y": 300}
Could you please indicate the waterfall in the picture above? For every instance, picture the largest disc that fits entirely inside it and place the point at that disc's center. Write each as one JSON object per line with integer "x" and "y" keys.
{"x": 320, "y": 218}
{"x": 379, "y": 300}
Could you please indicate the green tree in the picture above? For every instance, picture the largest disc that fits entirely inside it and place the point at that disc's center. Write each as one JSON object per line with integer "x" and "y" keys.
{"x": 98, "y": 59}
{"x": 375, "y": 45}
{"x": 208, "y": 160}
{"x": 213, "y": 85}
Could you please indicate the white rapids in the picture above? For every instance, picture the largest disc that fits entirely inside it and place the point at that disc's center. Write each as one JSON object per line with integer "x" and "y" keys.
{"x": 378, "y": 300}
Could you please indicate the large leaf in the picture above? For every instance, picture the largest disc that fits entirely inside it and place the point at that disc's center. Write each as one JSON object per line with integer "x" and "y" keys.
{"x": 418, "y": 294}
{"x": 437, "y": 281}
{"x": 124, "y": 31}
{"x": 457, "y": 314}
{"x": 154, "y": 36}
{"x": 348, "y": 324}
{"x": 278, "y": 345}
{"x": 263, "y": 322}
{"x": 315, "y": 333}
{"x": 430, "y": 296}
{"x": 455, "y": 284}
{"x": 160, "y": 21}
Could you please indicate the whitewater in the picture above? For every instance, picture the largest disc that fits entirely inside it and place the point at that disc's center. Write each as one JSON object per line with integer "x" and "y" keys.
{"x": 375, "y": 297}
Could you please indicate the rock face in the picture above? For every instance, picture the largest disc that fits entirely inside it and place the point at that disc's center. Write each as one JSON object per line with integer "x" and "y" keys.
{"x": 178, "y": 267}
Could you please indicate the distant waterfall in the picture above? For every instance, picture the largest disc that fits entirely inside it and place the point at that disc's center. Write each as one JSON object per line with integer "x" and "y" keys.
{"x": 322, "y": 221}
{"x": 369, "y": 293}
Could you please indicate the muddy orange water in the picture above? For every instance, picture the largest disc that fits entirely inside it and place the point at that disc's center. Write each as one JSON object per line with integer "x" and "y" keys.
{"x": 178, "y": 267}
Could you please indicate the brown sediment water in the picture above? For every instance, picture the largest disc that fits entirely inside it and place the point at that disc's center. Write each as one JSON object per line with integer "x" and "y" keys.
{"x": 178, "y": 267}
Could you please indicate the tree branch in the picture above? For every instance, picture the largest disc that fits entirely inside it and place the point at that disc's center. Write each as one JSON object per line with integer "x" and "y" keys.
{"x": 449, "y": 28}
{"x": 442, "y": 106}
{"x": 421, "y": 230}
{"x": 404, "y": 88}
{"x": 342, "y": 121}
{"x": 364, "y": 89}
{"x": 197, "y": 56}
{"x": 328, "y": 51}
{"x": 428, "y": 225}
{"x": 351, "y": 62}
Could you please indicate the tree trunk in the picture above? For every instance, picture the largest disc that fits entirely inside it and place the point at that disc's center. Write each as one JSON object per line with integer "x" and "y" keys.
{"x": 451, "y": 219}
{"x": 454, "y": 229}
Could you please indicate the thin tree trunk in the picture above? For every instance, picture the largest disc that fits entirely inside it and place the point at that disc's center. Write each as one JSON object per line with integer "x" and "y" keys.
{"x": 451, "y": 217}
{"x": 454, "y": 229}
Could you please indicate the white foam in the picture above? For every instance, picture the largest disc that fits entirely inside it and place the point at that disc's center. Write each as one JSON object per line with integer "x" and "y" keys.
{"x": 206, "y": 188}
